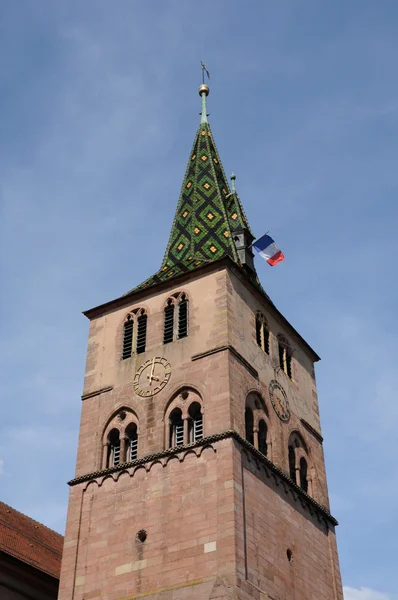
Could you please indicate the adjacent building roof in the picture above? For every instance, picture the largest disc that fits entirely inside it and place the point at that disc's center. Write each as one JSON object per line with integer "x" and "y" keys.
{"x": 30, "y": 541}
{"x": 208, "y": 212}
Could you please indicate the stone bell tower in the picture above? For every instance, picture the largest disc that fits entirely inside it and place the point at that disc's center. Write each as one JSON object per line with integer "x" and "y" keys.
{"x": 200, "y": 470}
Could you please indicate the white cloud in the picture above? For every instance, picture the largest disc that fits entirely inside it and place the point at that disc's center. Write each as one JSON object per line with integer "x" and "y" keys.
{"x": 364, "y": 594}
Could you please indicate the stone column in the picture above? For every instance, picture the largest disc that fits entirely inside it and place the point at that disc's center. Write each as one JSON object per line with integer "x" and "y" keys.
{"x": 105, "y": 450}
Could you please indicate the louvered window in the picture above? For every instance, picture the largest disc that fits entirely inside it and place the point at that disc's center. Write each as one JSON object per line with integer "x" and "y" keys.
{"x": 183, "y": 318}
{"x": 285, "y": 357}
{"x": 168, "y": 333}
{"x": 179, "y": 434}
{"x": 249, "y": 426}
{"x": 141, "y": 333}
{"x": 303, "y": 474}
{"x": 115, "y": 454}
{"x": 133, "y": 448}
{"x": 128, "y": 338}
{"x": 198, "y": 429}
{"x": 195, "y": 423}
{"x": 292, "y": 463}
{"x": 262, "y": 333}
{"x": 262, "y": 437}
{"x": 176, "y": 429}
{"x": 258, "y": 331}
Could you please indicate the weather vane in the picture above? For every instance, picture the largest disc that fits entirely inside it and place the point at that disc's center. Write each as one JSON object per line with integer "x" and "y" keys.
{"x": 204, "y": 70}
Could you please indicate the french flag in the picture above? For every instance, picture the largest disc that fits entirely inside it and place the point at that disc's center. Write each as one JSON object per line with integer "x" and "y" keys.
{"x": 266, "y": 247}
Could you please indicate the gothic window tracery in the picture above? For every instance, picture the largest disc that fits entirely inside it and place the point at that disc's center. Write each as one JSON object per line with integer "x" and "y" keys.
{"x": 134, "y": 334}
{"x": 120, "y": 439}
{"x": 298, "y": 457}
{"x": 175, "y": 318}
{"x": 257, "y": 431}
{"x": 184, "y": 418}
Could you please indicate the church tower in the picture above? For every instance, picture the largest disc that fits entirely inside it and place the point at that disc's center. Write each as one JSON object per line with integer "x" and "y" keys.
{"x": 200, "y": 469}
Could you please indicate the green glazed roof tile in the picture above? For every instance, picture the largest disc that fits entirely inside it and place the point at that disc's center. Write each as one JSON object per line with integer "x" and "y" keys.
{"x": 207, "y": 215}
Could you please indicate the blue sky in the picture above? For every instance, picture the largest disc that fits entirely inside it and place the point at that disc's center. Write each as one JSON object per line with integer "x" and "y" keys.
{"x": 99, "y": 108}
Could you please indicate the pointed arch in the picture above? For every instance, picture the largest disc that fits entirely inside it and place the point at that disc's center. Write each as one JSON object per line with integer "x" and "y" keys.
{"x": 285, "y": 355}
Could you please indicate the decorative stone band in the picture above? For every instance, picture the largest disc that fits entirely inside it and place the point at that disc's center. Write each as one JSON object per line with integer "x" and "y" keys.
{"x": 306, "y": 501}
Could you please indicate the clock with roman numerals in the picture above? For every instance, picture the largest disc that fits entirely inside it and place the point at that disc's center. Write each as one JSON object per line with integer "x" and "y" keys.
{"x": 152, "y": 376}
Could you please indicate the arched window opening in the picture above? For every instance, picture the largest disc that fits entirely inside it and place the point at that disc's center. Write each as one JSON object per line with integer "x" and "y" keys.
{"x": 262, "y": 437}
{"x": 285, "y": 356}
{"x": 195, "y": 423}
{"x": 128, "y": 337}
{"x": 141, "y": 332}
{"x": 132, "y": 439}
{"x": 292, "y": 463}
{"x": 249, "y": 426}
{"x": 262, "y": 332}
{"x": 168, "y": 332}
{"x": 114, "y": 448}
{"x": 183, "y": 317}
{"x": 303, "y": 474}
{"x": 176, "y": 429}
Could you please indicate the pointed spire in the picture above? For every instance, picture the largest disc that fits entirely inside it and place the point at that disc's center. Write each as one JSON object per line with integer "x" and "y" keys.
{"x": 209, "y": 216}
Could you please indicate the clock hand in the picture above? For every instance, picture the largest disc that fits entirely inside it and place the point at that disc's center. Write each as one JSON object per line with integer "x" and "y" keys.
{"x": 151, "y": 375}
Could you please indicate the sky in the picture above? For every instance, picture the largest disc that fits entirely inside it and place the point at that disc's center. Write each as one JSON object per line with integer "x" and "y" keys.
{"x": 99, "y": 108}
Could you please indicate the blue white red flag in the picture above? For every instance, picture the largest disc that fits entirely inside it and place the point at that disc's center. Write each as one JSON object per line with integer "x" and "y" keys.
{"x": 266, "y": 247}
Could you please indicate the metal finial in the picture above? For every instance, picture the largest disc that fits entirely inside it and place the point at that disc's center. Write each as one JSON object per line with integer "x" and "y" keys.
{"x": 203, "y": 93}
{"x": 233, "y": 177}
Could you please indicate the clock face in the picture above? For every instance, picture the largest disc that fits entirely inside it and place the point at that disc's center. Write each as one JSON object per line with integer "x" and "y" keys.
{"x": 279, "y": 401}
{"x": 152, "y": 376}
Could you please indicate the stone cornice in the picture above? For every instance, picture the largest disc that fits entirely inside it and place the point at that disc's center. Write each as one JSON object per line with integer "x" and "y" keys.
{"x": 97, "y": 392}
{"x": 306, "y": 501}
{"x": 233, "y": 351}
{"x": 313, "y": 431}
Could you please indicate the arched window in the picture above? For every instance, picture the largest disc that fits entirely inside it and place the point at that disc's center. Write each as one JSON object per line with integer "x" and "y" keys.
{"x": 128, "y": 337}
{"x": 182, "y": 317}
{"x": 262, "y": 332}
{"x": 303, "y": 474}
{"x": 298, "y": 462}
{"x": 168, "y": 332}
{"x": 249, "y": 426}
{"x": 134, "y": 335}
{"x": 175, "y": 328}
{"x": 285, "y": 356}
{"x": 262, "y": 437}
{"x": 292, "y": 463}
{"x": 195, "y": 423}
{"x": 132, "y": 442}
{"x": 114, "y": 448}
{"x": 141, "y": 332}
{"x": 176, "y": 437}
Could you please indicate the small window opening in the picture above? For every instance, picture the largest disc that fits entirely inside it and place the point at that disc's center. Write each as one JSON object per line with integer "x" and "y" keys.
{"x": 168, "y": 332}
{"x": 183, "y": 317}
{"x": 128, "y": 338}
{"x": 132, "y": 436}
{"x": 176, "y": 429}
{"x": 141, "y": 535}
{"x": 292, "y": 463}
{"x": 195, "y": 423}
{"x": 262, "y": 437}
{"x": 303, "y": 474}
{"x": 141, "y": 333}
{"x": 114, "y": 448}
{"x": 249, "y": 426}
{"x": 289, "y": 554}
